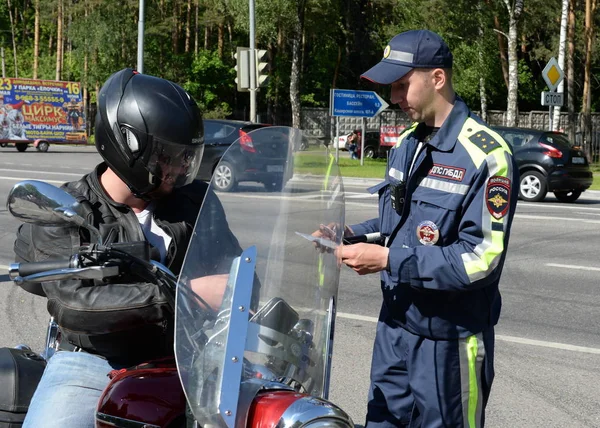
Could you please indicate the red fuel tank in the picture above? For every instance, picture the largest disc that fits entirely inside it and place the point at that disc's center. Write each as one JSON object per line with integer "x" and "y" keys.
{"x": 149, "y": 394}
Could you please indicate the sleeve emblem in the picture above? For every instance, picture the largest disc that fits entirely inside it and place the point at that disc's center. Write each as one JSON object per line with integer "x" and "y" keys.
{"x": 498, "y": 196}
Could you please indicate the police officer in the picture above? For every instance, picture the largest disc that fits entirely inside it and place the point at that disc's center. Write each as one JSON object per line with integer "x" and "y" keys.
{"x": 445, "y": 211}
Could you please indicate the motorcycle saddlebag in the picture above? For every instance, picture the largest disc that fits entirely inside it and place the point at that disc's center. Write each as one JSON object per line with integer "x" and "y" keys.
{"x": 20, "y": 373}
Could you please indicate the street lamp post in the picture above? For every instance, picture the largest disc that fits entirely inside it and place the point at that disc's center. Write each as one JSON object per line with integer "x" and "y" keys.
{"x": 140, "y": 47}
{"x": 252, "y": 64}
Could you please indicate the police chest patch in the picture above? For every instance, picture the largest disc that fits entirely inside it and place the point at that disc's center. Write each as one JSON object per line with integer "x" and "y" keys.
{"x": 498, "y": 196}
{"x": 428, "y": 233}
{"x": 449, "y": 172}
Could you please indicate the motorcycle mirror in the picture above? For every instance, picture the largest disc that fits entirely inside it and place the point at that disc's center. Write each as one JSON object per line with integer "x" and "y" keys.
{"x": 37, "y": 202}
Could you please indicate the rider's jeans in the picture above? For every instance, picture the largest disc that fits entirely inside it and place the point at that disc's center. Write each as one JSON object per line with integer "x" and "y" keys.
{"x": 69, "y": 391}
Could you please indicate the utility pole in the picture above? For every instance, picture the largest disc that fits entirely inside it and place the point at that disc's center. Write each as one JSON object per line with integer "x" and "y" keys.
{"x": 252, "y": 65}
{"x": 140, "y": 47}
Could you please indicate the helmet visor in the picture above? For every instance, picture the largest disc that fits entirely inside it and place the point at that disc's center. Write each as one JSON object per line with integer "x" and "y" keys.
{"x": 174, "y": 164}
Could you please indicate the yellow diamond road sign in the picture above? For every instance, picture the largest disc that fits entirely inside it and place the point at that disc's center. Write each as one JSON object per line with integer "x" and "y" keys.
{"x": 552, "y": 74}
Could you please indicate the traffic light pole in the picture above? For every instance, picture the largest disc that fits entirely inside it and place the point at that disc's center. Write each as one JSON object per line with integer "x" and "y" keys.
{"x": 252, "y": 65}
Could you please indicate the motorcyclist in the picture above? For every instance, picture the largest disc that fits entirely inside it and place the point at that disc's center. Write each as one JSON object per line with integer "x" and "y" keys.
{"x": 149, "y": 132}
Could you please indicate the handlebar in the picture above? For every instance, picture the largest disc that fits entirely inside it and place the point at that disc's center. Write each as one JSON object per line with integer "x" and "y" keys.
{"x": 95, "y": 263}
{"x": 25, "y": 269}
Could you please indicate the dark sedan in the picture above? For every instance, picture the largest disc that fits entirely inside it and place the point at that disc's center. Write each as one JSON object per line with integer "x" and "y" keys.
{"x": 251, "y": 159}
{"x": 547, "y": 162}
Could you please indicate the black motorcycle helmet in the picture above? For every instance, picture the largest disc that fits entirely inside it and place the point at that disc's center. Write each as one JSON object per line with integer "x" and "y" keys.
{"x": 148, "y": 130}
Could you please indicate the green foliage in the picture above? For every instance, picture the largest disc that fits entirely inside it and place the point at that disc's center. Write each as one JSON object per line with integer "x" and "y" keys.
{"x": 529, "y": 87}
{"x": 211, "y": 81}
{"x": 341, "y": 40}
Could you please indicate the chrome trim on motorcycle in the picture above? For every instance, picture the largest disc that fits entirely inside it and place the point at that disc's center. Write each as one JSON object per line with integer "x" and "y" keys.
{"x": 236, "y": 338}
{"x": 13, "y": 271}
{"x": 92, "y": 272}
{"x": 51, "y": 340}
{"x": 329, "y": 347}
{"x": 312, "y": 412}
{"x": 122, "y": 422}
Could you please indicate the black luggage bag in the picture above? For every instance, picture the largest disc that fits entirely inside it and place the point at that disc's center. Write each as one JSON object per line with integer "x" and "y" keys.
{"x": 20, "y": 373}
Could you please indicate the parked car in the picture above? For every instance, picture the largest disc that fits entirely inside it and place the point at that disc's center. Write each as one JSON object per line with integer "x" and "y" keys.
{"x": 261, "y": 160}
{"x": 548, "y": 162}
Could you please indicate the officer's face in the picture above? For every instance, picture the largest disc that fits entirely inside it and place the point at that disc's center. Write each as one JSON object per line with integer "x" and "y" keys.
{"x": 414, "y": 93}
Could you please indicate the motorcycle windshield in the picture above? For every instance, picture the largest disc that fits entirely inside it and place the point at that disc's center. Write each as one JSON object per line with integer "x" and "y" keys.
{"x": 256, "y": 295}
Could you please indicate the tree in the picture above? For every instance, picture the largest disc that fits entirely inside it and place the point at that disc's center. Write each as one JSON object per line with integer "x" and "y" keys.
{"x": 59, "y": 40}
{"x": 296, "y": 55}
{"x": 561, "y": 56}
{"x": 514, "y": 9}
{"x": 590, "y": 13}
{"x": 571, "y": 70}
{"x": 36, "y": 38}
{"x": 12, "y": 31}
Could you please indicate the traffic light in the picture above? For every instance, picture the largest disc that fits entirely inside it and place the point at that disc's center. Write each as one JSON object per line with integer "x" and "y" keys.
{"x": 242, "y": 68}
{"x": 262, "y": 67}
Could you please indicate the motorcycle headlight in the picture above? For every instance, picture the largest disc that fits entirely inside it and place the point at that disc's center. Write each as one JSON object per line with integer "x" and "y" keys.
{"x": 289, "y": 409}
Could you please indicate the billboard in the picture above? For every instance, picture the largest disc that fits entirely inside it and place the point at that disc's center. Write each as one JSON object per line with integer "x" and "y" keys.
{"x": 33, "y": 109}
{"x": 388, "y": 134}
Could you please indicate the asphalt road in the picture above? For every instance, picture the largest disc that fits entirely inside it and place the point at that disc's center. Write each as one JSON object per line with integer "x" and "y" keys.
{"x": 548, "y": 342}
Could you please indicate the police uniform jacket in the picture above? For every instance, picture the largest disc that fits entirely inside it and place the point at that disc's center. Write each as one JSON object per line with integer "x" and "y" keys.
{"x": 448, "y": 243}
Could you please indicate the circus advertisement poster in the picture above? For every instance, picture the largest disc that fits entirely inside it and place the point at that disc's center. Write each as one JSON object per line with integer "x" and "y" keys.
{"x": 33, "y": 109}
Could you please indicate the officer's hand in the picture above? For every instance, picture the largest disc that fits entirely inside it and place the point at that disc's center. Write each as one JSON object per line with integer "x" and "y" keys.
{"x": 365, "y": 258}
{"x": 329, "y": 232}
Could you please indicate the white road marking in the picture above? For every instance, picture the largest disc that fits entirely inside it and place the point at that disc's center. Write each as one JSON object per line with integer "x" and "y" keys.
{"x": 553, "y": 345}
{"x": 25, "y": 178}
{"x": 543, "y": 217}
{"x": 557, "y": 265}
{"x": 512, "y": 339}
{"x": 561, "y": 207}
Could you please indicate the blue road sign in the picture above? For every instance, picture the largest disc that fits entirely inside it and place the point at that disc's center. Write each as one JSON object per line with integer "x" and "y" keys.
{"x": 346, "y": 102}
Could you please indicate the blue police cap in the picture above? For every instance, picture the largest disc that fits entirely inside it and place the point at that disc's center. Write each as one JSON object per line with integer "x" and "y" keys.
{"x": 408, "y": 50}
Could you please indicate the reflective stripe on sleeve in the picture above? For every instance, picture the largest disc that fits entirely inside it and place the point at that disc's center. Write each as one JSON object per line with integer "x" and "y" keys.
{"x": 486, "y": 256}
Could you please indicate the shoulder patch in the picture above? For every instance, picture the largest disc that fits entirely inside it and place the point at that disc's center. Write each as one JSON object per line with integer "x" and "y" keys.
{"x": 498, "y": 196}
{"x": 484, "y": 141}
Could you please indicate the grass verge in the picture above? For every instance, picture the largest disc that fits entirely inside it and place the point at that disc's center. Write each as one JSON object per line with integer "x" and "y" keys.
{"x": 596, "y": 170}
{"x": 313, "y": 163}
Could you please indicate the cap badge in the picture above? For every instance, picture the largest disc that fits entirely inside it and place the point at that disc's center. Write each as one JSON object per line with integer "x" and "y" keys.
{"x": 428, "y": 233}
{"x": 387, "y": 51}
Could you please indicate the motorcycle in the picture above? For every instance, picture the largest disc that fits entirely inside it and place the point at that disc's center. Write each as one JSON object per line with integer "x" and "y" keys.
{"x": 258, "y": 356}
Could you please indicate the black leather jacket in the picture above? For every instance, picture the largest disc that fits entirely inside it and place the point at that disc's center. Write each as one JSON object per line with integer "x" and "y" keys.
{"x": 124, "y": 322}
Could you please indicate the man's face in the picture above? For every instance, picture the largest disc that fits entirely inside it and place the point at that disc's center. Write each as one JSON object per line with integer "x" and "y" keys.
{"x": 171, "y": 170}
{"x": 414, "y": 93}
